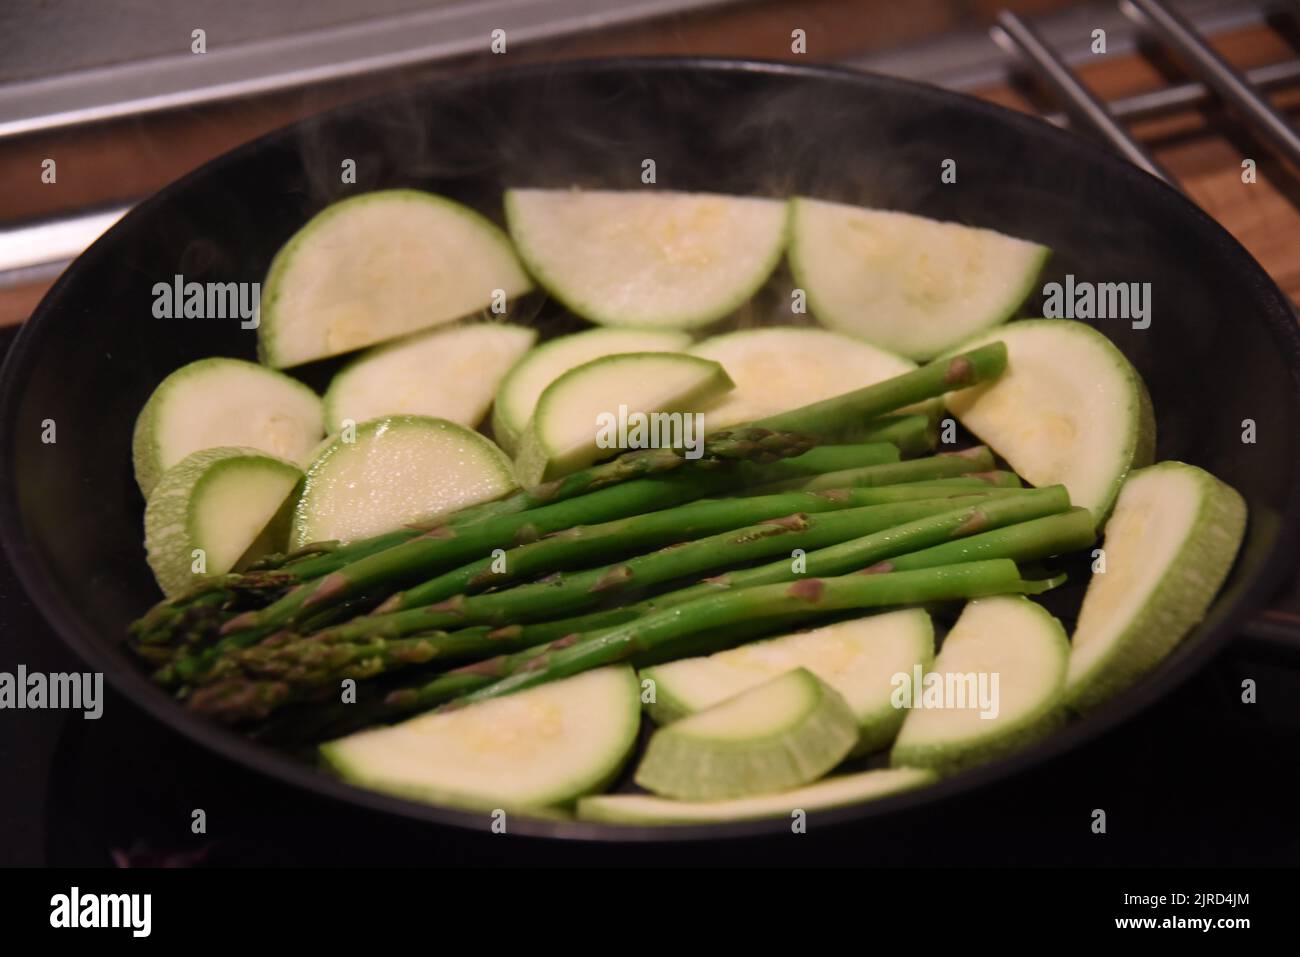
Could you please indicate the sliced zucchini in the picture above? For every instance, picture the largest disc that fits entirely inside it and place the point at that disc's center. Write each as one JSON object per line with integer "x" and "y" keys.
{"x": 774, "y": 736}
{"x": 1169, "y": 546}
{"x": 208, "y": 510}
{"x": 380, "y": 266}
{"x": 450, "y": 373}
{"x": 572, "y": 425}
{"x": 912, "y": 285}
{"x": 543, "y": 746}
{"x": 529, "y": 377}
{"x": 396, "y": 471}
{"x": 647, "y": 258}
{"x": 828, "y": 793}
{"x": 781, "y": 368}
{"x": 219, "y": 403}
{"x": 857, "y": 658}
{"x": 1069, "y": 409}
{"x": 1006, "y": 650}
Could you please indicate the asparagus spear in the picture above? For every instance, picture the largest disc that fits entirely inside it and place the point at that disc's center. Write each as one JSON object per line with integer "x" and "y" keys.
{"x": 308, "y": 670}
{"x": 742, "y": 443}
{"x": 800, "y": 600}
{"x": 914, "y": 434}
{"x": 999, "y": 513}
{"x": 997, "y": 478}
{"x": 585, "y": 544}
{"x": 977, "y": 460}
{"x": 264, "y": 690}
{"x": 1023, "y": 542}
{"x": 680, "y": 631}
{"x": 844, "y": 412}
{"x": 516, "y": 606}
{"x": 927, "y": 520}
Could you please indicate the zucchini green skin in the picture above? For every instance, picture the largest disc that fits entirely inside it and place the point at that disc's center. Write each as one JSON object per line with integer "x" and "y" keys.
{"x": 682, "y": 763}
{"x": 950, "y": 757}
{"x": 303, "y": 528}
{"x": 509, "y": 421}
{"x": 594, "y": 313}
{"x": 826, "y": 794}
{"x": 537, "y": 461}
{"x": 170, "y": 516}
{"x": 145, "y": 451}
{"x": 877, "y": 726}
{"x": 599, "y": 776}
{"x": 335, "y": 395}
{"x": 268, "y": 350}
{"x": 1140, "y": 439}
{"x": 1180, "y": 598}
{"x": 800, "y": 269}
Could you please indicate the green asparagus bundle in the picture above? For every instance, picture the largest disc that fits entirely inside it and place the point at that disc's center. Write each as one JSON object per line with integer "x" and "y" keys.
{"x": 428, "y": 607}
{"x": 562, "y": 593}
{"x": 673, "y": 627}
{"x": 585, "y": 544}
{"x": 909, "y": 524}
{"x": 1023, "y": 541}
{"x": 300, "y": 669}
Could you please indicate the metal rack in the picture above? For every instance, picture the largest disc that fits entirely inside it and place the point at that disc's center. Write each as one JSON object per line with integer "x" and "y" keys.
{"x": 1242, "y": 92}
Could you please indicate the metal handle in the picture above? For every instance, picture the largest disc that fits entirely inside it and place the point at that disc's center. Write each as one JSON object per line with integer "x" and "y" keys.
{"x": 1053, "y": 71}
{"x": 1218, "y": 73}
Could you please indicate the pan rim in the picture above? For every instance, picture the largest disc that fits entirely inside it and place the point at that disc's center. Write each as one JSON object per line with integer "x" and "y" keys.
{"x": 134, "y": 686}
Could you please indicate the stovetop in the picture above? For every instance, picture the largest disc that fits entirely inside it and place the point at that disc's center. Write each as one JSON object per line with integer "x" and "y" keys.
{"x": 1201, "y": 778}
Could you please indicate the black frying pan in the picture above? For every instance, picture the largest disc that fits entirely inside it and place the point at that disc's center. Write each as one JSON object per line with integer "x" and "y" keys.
{"x": 1222, "y": 345}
